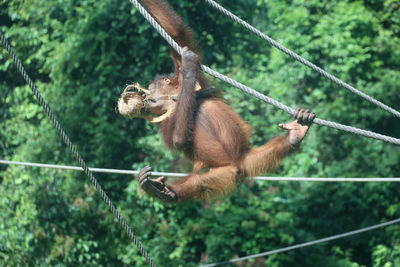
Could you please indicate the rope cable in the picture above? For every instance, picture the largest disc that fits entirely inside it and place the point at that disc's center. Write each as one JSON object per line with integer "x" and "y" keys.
{"x": 255, "y": 93}
{"x": 301, "y": 59}
{"x": 306, "y": 244}
{"x": 74, "y": 151}
{"x": 259, "y": 178}
{"x": 242, "y": 87}
{"x": 172, "y": 174}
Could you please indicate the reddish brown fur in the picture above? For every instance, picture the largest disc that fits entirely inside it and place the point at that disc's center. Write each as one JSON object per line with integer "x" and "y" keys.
{"x": 220, "y": 142}
{"x": 215, "y": 137}
{"x": 172, "y": 23}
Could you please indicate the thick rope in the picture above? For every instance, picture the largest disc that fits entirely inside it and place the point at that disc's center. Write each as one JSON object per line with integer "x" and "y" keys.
{"x": 74, "y": 151}
{"x": 326, "y": 239}
{"x": 289, "y": 110}
{"x": 301, "y": 59}
{"x": 256, "y": 94}
{"x": 174, "y": 174}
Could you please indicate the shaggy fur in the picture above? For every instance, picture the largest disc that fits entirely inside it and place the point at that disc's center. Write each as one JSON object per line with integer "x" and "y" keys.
{"x": 207, "y": 130}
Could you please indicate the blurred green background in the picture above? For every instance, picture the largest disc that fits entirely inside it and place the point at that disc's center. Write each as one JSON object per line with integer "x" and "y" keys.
{"x": 81, "y": 54}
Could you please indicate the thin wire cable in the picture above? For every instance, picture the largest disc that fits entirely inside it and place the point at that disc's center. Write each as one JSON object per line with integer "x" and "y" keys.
{"x": 173, "y": 174}
{"x": 301, "y": 59}
{"x": 306, "y": 244}
{"x": 74, "y": 151}
{"x": 253, "y": 92}
{"x": 117, "y": 171}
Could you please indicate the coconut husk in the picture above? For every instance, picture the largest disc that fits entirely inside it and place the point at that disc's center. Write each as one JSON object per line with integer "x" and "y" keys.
{"x": 130, "y": 104}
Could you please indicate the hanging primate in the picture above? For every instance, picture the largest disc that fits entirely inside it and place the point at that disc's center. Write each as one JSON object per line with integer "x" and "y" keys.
{"x": 203, "y": 127}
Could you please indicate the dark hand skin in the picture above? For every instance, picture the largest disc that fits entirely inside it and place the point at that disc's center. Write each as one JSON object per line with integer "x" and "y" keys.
{"x": 156, "y": 187}
{"x": 298, "y": 128}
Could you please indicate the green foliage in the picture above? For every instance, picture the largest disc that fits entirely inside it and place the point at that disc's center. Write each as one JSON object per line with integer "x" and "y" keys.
{"x": 82, "y": 53}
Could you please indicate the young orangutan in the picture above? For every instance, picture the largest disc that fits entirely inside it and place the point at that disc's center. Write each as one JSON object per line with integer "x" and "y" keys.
{"x": 203, "y": 127}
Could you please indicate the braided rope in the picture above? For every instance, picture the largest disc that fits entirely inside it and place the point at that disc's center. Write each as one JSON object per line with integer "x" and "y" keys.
{"x": 289, "y": 110}
{"x": 74, "y": 151}
{"x": 255, "y": 93}
{"x": 306, "y": 244}
{"x": 301, "y": 59}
